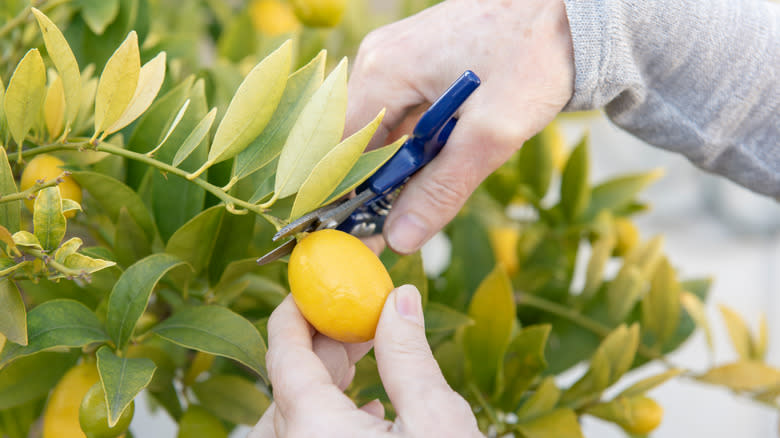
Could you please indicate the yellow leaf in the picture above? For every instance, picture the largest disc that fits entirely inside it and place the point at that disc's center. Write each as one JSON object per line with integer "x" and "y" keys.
{"x": 738, "y": 332}
{"x": 493, "y": 310}
{"x": 761, "y": 341}
{"x": 318, "y": 129}
{"x": 68, "y": 68}
{"x": 117, "y": 83}
{"x": 661, "y": 304}
{"x": 150, "y": 79}
{"x": 743, "y": 376}
{"x": 560, "y": 423}
{"x": 54, "y": 107}
{"x": 540, "y": 402}
{"x": 332, "y": 169}
{"x": 695, "y": 308}
{"x": 252, "y": 106}
{"x": 25, "y": 94}
{"x": 602, "y": 249}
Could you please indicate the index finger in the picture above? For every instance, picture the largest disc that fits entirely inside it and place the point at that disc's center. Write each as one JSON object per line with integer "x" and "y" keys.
{"x": 301, "y": 382}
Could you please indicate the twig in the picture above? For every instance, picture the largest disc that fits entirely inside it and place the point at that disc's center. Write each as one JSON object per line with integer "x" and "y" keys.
{"x": 27, "y": 194}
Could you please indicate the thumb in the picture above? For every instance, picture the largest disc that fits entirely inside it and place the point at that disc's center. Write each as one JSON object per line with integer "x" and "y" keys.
{"x": 411, "y": 377}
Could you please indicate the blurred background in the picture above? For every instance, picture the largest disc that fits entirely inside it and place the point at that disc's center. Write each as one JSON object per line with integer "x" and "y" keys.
{"x": 712, "y": 227}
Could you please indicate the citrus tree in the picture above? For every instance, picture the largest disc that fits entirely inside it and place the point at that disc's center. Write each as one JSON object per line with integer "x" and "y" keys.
{"x": 137, "y": 189}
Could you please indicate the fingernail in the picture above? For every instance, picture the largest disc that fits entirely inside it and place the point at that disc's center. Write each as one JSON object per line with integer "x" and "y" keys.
{"x": 407, "y": 233}
{"x": 408, "y": 304}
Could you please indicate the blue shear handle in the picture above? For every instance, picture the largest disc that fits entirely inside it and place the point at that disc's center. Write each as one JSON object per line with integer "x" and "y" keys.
{"x": 429, "y": 136}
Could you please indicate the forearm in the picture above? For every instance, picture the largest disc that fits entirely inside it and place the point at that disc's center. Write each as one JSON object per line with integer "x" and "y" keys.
{"x": 699, "y": 77}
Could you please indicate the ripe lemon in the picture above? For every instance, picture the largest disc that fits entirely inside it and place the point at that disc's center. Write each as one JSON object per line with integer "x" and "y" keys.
{"x": 504, "y": 243}
{"x": 646, "y": 415}
{"x": 627, "y": 236}
{"x": 319, "y": 13}
{"x": 61, "y": 417}
{"x": 48, "y": 167}
{"x": 273, "y": 17}
{"x": 93, "y": 415}
{"x": 339, "y": 285}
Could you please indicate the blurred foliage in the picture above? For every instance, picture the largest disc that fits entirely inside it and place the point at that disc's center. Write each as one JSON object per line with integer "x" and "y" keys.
{"x": 191, "y": 125}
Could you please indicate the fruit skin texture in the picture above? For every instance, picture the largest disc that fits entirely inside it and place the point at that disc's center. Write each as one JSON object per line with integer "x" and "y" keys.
{"x": 504, "y": 243}
{"x": 339, "y": 285}
{"x": 93, "y": 415}
{"x": 198, "y": 422}
{"x": 273, "y": 17}
{"x": 49, "y": 167}
{"x": 647, "y": 415}
{"x": 61, "y": 417}
{"x": 319, "y": 13}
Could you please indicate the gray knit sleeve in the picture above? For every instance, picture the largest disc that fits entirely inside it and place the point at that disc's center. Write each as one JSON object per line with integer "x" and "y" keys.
{"x": 699, "y": 77}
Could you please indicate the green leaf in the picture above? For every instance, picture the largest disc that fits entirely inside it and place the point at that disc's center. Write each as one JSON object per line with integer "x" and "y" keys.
{"x": 49, "y": 223}
{"x": 56, "y": 323}
{"x": 150, "y": 80}
{"x": 696, "y": 310}
{"x": 543, "y": 400}
{"x": 366, "y": 166}
{"x": 331, "y": 170}
{"x": 575, "y": 191}
{"x": 493, "y": 310}
{"x": 68, "y": 68}
{"x": 523, "y": 362}
{"x": 649, "y": 383}
{"x": 619, "y": 192}
{"x": 317, "y": 130}
{"x": 661, "y": 304}
{"x": 10, "y": 212}
{"x": 623, "y": 292}
{"x": 560, "y": 423}
{"x": 112, "y": 195}
{"x": 231, "y": 244}
{"x": 86, "y": 264}
{"x": 600, "y": 255}
{"x": 219, "y": 331}
{"x": 70, "y": 205}
{"x": 743, "y": 376}
{"x": 175, "y": 200}
{"x": 26, "y": 238}
{"x": 535, "y": 165}
{"x": 252, "y": 106}
{"x": 131, "y": 294}
{"x": 98, "y": 14}
{"x": 117, "y": 83}
{"x": 195, "y": 240}
{"x": 122, "y": 379}
{"x": 738, "y": 332}
{"x": 13, "y": 324}
{"x": 409, "y": 270}
{"x": 301, "y": 85}
{"x": 67, "y": 248}
{"x": 32, "y": 377}
{"x": 195, "y": 138}
{"x": 130, "y": 241}
{"x": 25, "y": 94}
{"x": 232, "y": 398}
{"x": 449, "y": 356}
{"x": 440, "y": 318}
{"x": 148, "y": 131}
{"x": 472, "y": 260}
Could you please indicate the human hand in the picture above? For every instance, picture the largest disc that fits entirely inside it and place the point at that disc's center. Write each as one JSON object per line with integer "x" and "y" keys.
{"x": 522, "y": 52}
{"x": 309, "y": 371}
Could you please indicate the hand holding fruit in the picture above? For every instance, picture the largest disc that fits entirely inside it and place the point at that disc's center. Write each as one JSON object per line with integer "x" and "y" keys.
{"x": 309, "y": 371}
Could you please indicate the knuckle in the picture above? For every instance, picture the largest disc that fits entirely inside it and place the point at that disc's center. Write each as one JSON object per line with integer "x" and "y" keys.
{"x": 447, "y": 192}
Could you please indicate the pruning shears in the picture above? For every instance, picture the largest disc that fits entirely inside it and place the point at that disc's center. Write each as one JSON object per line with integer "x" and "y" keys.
{"x": 364, "y": 214}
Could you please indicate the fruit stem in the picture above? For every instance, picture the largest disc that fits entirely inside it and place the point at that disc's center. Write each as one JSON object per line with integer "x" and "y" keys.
{"x": 26, "y": 194}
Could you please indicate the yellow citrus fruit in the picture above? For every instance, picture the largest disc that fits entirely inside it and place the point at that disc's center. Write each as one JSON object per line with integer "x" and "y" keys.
{"x": 61, "y": 417}
{"x": 504, "y": 243}
{"x": 646, "y": 415}
{"x": 553, "y": 136}
{"x": 627, "y": 236}
{"x": 200, "y": 423}
{"x": 319, "y": 13}
{"x": 48, "y": 167}
{"x": 273, "y": 17}
{"x": 339, "y": 285}
{"x": 93, "y": 415}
